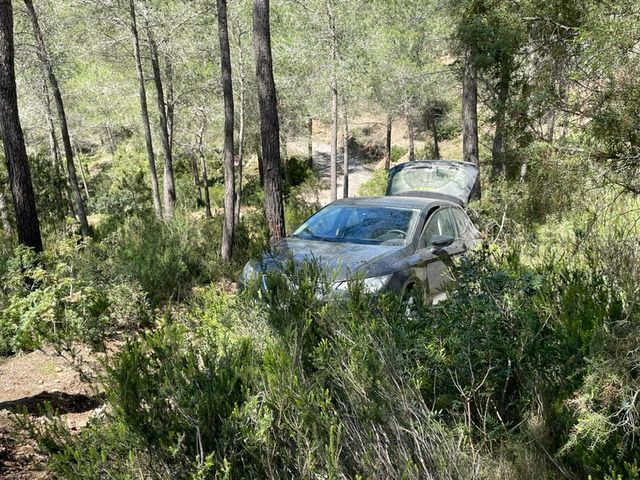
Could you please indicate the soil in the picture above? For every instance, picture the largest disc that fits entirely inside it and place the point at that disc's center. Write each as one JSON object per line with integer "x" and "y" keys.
{"x": 27, "y": 383}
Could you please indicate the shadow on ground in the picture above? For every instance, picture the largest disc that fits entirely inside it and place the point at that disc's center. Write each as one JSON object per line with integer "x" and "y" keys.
{"x": 60, "y": 402}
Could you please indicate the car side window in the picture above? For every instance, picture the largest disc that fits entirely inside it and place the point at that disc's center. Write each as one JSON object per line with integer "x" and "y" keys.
{"x": 462, "y": 221}
{"x": 440, "y": 223}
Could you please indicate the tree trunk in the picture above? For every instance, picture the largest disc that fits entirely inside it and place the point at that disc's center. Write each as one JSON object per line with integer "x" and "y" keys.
{"x": 144, "y": 112}
{"x": 434, "y": 131}
{"x": 334, "y": 141}
{"x": 112, "y": 143}
{"x": 310, "y": 141}
{"x": 205, "y": 183}
{"x": 412, "y": 136}
{"x": 387, "y": 158}
{"x": 334, "y": 108}
{"x": 240, "y": 135}
{"x": 169, "y": 184}
{"x": 84, "y": 178}
{"x": 229, "y": 156}
{"x": 345, "y": 154}
{"x": 203, "y": 167}
{"x": 260, "y": 164}
{"x": 196, "y": 180}
{"x": 497, "y": 150}
{"x": 470, "y": 117}
{"x": 24, "y": 203}
{"x": 4, "y": 213}
{"x": 54, "y": 150}
{"x": 170, "y": 105}
{"x": 269, "y": 125}
{"x": 62, "y": 117}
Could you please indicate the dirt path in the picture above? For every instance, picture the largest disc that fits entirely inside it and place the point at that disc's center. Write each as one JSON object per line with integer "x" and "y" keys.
{"x": 359, "y": 173}
{"x": 27, "y": 382}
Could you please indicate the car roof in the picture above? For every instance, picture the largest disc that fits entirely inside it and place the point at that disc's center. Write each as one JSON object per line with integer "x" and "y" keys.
{"x": 394, "y": 201}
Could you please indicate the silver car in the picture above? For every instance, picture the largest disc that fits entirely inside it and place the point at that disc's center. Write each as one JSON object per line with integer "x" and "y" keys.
{"x": 403, "y": 242}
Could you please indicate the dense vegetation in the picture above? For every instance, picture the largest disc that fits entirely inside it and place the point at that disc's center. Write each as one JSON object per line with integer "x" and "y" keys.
{"x": 527, "y": 370}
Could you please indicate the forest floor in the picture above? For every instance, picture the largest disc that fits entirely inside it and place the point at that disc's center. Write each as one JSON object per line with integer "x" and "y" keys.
{"x": 27, "y": 383}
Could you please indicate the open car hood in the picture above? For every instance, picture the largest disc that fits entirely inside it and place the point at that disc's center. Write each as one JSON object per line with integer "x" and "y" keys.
{"x": 452, "y": 180}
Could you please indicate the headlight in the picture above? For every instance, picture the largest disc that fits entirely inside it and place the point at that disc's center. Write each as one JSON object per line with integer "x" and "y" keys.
{"x": 371, "y": 284}
{"x": 375, "y": 284}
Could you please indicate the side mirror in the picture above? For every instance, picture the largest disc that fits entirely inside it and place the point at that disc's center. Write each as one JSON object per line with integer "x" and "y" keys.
{"x": 439, "y": 243}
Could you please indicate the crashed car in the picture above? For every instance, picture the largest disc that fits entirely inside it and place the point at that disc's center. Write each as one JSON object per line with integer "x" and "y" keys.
{"x": 403, "y": 242}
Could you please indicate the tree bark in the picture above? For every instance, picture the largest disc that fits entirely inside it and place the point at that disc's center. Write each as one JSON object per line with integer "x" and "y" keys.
{"x": 269, "y": 125}
{"x": 345, "y": 155}
{"x": 434, "y": 132}
{"x": 229, "y": 156}
{"x": 260, "y": 164}
{"x": 334, "y": 142}
{"x": 470, "y": 117}
{"x": 144, "y": 112}
{"x": 169, "y": 183}
{"x": 24, "y": 203}
{"x": 412, "y": 136}
{"x": 54, "y": 151}
{"x": 4, "y": 213}
{"x": 310, "y": 141}
{"x": 112, "y": 143}
{"x": 203, "y": 167}
{"x": 170, "y": 105}
{"x": 205, "y": 183}
{"x": 62, "y": 117}
{"x": 196, "y": 180}
{"x": 334, "y": 107}
{"x": 84, "y": 178}
{"x": 240, "y": 135}
{"x": 387, "y": 158}
{"x": 497, "y": 150}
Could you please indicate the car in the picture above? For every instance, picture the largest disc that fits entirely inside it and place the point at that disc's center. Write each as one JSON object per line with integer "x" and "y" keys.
{"x": 403, "y": 242}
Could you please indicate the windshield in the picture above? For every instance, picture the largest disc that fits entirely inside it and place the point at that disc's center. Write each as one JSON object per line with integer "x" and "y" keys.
{"x": 448, "y": 180}
{"x": 360, "y": 224}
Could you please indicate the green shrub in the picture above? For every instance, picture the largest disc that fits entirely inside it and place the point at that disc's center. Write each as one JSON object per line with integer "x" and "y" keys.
{"x": 296, "y": 388}
{"x": 397, "y": 152}
{"x": 297, "y": 172}
{"x": 168, "y": 259}
{"x": 46, "y": 298}
{"x": 375, "y": 186}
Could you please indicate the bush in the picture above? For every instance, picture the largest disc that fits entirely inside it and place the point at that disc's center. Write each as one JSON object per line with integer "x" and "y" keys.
{"x": 46, "y": 298}
{"x": 397, "y": 152}
{"x": 375, "y": 186}
{"x": 302, "y": 389}
{"x": 169, "y": 259}
{"x": 297, "y": 172}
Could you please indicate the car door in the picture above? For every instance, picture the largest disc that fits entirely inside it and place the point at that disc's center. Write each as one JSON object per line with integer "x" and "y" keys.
{"x": 436, "y": 270}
